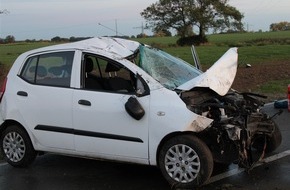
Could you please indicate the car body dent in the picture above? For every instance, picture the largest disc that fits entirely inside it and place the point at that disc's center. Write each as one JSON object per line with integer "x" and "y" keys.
{"x": 219, "y": 77}
{"x": 118, "y": 46}
{"x": 199, "y": 124}
{"x": 175, "y": 117}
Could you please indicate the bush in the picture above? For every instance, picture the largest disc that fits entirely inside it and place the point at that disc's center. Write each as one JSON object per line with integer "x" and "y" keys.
{"x": 191, "y": 40}
{"x": 3, "y": 72}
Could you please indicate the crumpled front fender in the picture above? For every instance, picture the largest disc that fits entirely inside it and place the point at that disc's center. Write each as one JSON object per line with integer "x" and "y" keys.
{"x": 199, "y": 124}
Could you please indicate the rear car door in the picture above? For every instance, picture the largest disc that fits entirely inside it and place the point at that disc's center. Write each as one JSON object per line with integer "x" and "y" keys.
{"x": 44, "y": 97}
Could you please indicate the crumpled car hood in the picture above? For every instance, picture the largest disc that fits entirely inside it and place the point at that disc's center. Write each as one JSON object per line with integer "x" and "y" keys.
{"x": 219, "y": 77}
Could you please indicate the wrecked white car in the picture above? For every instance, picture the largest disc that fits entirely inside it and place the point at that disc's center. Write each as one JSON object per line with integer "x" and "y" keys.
{"x": 116, "y": 99}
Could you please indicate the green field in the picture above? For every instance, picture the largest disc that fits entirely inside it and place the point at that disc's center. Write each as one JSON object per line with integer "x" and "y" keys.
{"x": 254, "y": 48}
{"x": 9, "y": 52}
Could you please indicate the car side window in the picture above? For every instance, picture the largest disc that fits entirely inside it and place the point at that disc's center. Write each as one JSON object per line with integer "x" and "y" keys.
{"x": 107, "y": 75}
{"x": 52, "y": 69}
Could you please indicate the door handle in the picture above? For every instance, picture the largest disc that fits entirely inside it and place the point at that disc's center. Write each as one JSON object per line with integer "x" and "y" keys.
{"x": 84, "y": 102}
{"x": 22, "y": 93}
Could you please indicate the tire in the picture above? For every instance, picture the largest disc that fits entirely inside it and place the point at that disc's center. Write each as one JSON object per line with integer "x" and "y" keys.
{"x": 16, "y": 147}
{"x": 272, "y": 142}
{"x": 275, "y": 140}
{"x": 185, "y": 161}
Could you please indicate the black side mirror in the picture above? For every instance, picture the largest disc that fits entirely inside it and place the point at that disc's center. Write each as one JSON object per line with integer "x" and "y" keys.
{"x": 134, "y": 108}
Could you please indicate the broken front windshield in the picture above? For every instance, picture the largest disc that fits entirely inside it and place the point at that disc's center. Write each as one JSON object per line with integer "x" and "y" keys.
{"x": 170, "y": 71}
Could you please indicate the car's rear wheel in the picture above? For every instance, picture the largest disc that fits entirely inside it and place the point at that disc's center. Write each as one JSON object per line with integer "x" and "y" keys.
{"x": 16, "y": 147}
{"x": 185, "y": 161}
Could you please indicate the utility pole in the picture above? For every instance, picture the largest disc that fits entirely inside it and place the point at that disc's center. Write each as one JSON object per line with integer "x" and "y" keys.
{"x": 142, "y": 28}
{"x": 114, "y": 30}
{"x": 116, "y": 27}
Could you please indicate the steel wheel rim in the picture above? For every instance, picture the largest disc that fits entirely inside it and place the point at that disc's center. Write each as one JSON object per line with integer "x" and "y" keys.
{"x": 14, "y": 146}
{"x": 182, "y": 163}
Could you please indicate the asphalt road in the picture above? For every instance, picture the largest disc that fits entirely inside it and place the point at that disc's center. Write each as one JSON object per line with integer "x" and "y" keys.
{"x": 53, "y": 172}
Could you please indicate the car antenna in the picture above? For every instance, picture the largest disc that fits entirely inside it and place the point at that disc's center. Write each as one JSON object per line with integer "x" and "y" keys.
{"x": 195, "y": 58}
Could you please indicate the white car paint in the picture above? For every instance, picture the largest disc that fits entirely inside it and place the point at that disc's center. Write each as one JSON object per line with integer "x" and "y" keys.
{"x": 219, "y": 77}
{"x": 176, "y": 118}
{"x": 165, "y": 112}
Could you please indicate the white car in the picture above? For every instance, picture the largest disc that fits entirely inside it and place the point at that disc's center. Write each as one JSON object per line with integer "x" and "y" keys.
{"x": 110, "y": 98}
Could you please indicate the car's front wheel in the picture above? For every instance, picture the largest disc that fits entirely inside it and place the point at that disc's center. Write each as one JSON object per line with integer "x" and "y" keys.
{"x": 185, "y": 161}
{"x": 16, "y": 147}
{"x": 272, "y": 142}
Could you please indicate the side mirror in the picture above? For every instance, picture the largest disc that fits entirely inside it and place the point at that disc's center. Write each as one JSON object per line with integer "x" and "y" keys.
{"x": 134, "y": 108}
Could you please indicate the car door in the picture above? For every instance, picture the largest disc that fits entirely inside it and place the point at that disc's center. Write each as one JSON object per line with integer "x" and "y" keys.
{"x": 103, "y": 128}
{"x": 44, "y": 97}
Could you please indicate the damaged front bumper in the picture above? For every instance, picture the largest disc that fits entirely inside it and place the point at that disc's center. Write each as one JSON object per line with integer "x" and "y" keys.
{"x": 239, "y": 128}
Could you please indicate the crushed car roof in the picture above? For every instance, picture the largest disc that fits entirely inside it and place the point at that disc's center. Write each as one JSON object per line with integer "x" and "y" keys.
{"x": 219, "y": 77}
{"x": 117, "y": 46}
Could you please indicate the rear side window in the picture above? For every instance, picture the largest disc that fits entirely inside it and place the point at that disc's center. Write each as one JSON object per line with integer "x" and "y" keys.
{"x": 52, "y": 69}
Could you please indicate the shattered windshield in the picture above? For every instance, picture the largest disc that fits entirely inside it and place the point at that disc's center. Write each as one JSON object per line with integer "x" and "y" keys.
{"x": 170, "y": 71}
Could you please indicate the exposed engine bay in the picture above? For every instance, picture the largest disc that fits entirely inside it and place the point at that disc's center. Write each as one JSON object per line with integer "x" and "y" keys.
{"x": 239, "y": 129}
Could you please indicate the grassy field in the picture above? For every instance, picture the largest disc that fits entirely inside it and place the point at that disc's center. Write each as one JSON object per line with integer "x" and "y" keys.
{"x": 208, "y": 54}
{"x": 254, "y": 48}
{"x": 9, "y": 52}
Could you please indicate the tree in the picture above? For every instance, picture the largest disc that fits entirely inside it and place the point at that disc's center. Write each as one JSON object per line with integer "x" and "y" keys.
{"x": 59, "y": 39}
{"x": 9, "y": 39}
{"x": 182, "y": 14}
{"x": 142, "y": 35}
{"x": 162, "y": 33}
{"x": 281, "y": 26}
{"x": 4, "y": 11}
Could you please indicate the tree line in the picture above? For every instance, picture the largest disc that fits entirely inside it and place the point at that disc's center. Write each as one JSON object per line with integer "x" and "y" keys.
{"x": 280, "y": 26}
{"x": 184, "y": 16}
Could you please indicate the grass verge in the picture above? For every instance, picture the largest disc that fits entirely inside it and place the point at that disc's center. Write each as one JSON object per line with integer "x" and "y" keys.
{"x": 275, "y": 89}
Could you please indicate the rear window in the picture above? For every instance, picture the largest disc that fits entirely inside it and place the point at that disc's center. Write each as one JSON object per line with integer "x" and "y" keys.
{"x": 52, "y": 69}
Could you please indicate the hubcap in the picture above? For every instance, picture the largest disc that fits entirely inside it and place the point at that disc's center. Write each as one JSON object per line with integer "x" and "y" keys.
{"x": 182, "y": 163}
{"x": 14, "y": 146}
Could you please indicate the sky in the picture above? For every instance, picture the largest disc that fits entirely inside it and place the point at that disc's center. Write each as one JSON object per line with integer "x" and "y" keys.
{"x": 45, "y": 19}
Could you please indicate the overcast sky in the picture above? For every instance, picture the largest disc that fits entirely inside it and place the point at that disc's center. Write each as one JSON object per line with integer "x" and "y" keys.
{"x": 45, "y": 19}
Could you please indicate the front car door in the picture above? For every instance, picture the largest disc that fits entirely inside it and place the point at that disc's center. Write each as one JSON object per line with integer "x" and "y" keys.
{"x": 102, "y": 126}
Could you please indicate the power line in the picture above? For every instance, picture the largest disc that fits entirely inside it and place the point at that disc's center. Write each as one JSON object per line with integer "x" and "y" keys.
{"x": 114, "y": 30}
{"x": 142, "y": 28}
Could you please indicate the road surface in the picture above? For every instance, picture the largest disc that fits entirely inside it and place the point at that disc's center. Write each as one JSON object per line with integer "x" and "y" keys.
{"x": 54, "y": 172}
